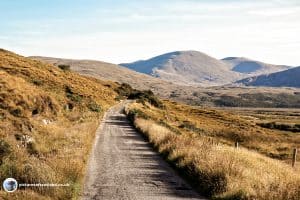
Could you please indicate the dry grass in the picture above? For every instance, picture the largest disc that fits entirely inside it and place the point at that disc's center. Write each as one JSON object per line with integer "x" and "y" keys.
{"x": 221, "y": 171}
{"x": 226, "y": 127}
{"x": 218, "y": 170}
{"x": 48, "y": 118}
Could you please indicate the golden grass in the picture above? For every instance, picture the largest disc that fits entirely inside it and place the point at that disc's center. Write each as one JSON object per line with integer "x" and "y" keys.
{"x": 48, "y": 118}
{"x": 225, "y": 127}
{"x": 221, "y": 171}
{"x": 210, "y": 161}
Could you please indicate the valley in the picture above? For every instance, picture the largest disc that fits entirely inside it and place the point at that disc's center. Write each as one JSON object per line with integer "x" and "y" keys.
{"x": 50, "y": 114}
{"x": 232, "y": 95}
{"x": 149, "y": 100}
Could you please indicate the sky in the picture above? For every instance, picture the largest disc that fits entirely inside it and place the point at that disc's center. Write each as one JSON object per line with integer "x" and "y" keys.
{"x": 120, "y": 31}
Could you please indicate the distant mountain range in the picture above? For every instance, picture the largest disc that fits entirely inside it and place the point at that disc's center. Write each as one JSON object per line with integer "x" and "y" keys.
{"x": 183, "y": 69}
{"x": 233, "y": 94}
{"x": 186, "y": 67}
{"x": 287, "y": 78}
{"x": 196, "y": 68}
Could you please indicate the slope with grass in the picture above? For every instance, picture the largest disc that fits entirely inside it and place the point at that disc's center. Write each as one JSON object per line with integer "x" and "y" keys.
{"x": 48, "y": 118}
{"x": 112, "y": 72}
{"x": 199, "y": 142}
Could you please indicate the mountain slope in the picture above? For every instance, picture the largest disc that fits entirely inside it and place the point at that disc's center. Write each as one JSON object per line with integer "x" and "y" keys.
{"x": 287, "y": 78}
{"x": 195, "y": 95}
{"x": 187, "y": 67}
{"x": 107, "y": 71}
{"x": 48, "y": 119}
{"x": 196, "y": 68}
{"x": 252, "y": 67}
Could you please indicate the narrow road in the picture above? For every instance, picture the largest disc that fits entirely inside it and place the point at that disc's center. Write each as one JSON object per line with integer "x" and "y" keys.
{"x": 124, "y": 166}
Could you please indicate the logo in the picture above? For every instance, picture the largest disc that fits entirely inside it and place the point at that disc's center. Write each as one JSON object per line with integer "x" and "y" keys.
{"x": 10, "y": 185}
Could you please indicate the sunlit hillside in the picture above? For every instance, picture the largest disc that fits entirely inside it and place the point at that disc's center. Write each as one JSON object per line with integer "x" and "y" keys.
{"x": 200, "y": 142}
{"x": 48, "y": 118}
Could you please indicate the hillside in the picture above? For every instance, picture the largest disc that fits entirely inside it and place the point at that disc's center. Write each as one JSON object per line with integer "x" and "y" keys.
{"x": 194, "y": 95}
{"x": 187, "y": 67}
{"x": 116, "y": 73}
{"x": 287, "y": 78}
{"x": 48, "y": 118}
{"x": 196, "y": 68}
{"x": 252, "y": 67}
{"x": 199, "y": 142}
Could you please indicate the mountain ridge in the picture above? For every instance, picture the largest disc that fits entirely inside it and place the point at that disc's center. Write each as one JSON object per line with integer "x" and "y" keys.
{"x": 196, "y": 68}
{"x": 186, "y": 67}
{"x": 287, "y": 78}
{"x": 194, "y": 95}
{"x": 253, "y": 67}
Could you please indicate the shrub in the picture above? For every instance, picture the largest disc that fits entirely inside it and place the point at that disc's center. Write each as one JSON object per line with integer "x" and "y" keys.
{"x": 73, "y": 96}
{"x": 146, "y": 96}
{"x": 4, "y": 149}
{"x": 283, "y": 127}
{"x": 37, "y": 82}
{"x": 94, "y": 107}
{"x": 124, "y": 90}
{"x": 64, "y": 67}
{"x": 134, "y": 113}
{"x": 32, "y": 149}
{"x": 17, "y": 112}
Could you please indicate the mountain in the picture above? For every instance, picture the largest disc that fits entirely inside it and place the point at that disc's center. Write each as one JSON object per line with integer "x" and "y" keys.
{"x": 195, "y": 95}
{"x": 196, "y": 68}
{"x": 287, "y": 78}
{"x": 252, "y": 67}
{"x": 188, "y": 68}
{"x": 117, "y": 73}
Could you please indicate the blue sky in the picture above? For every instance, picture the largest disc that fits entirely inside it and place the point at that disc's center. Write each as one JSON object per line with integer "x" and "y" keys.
{"x": 127, "y": 30}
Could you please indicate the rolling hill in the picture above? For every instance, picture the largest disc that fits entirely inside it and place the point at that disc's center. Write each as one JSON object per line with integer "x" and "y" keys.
{"x": 196, "y": 68}
{"x": 188, "y": 68}
{"x": 116, "y": 73}
{"x": 252, "y": 67}
{"x": 287, "y": 78}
